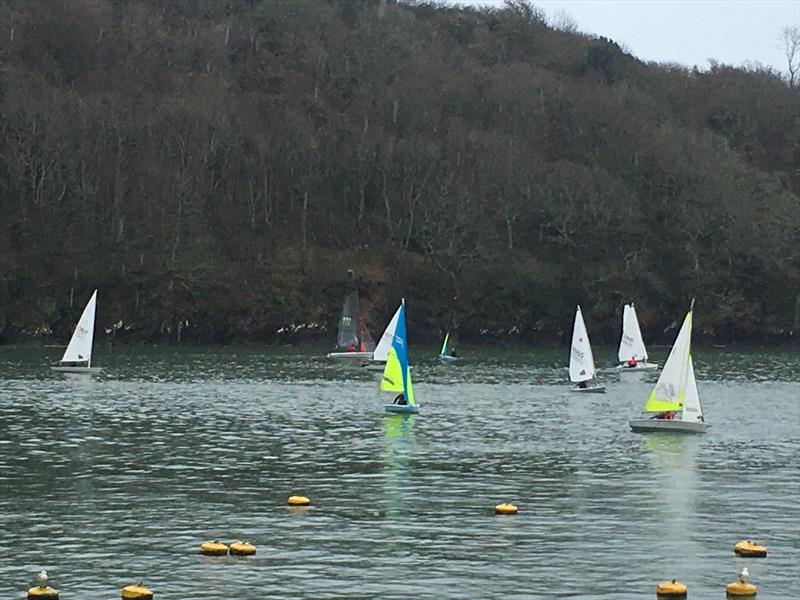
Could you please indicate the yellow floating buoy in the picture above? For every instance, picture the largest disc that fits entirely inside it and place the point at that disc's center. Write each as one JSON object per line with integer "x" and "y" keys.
{"x": 242, "y": 549}
{"x": 740, "y": 589}
{"x": 214, "y": 548}
{"x": 42, "y": 592}
{"x": 671, "y": 589}
{"x": 136, "y": 591}
{"x": 299, "y": 501}
{"x": 749, "y": 548}
{"x": 505, "y": 509}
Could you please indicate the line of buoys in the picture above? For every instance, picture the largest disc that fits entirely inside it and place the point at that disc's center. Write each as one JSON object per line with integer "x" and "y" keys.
{"x": 213, "y": 548}
{"x": 671, "y": 589}
{"x": 136, "y": 591}
{"x": 299, "y": 501}
{"x": 505, "y": 509}
{"x": 749, "y": 548}
{"x": 242, "y": 549}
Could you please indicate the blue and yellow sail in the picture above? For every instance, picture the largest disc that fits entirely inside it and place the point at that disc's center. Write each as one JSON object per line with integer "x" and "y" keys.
{"x": 397, "y": 373}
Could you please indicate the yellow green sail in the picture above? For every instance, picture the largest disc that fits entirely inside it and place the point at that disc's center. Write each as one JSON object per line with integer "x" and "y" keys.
{"x": 656, "y": 404}
{"x": 669, "y": 393}
{"x": 392, "y": 380}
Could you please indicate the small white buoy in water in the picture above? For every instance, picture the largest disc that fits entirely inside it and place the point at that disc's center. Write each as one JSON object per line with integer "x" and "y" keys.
{"x": 740, "y": 588}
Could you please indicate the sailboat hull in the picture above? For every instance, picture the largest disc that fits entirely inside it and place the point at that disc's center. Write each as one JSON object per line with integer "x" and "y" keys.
{"x": 639, "y": 367}
{"x": 403, "y": 409}
{"x": 353, "y": 355}
{"x": 673, "y": 425}
{"x": 447, "y": 358}
{"x": 594, "y": 389}
{"x": 87, "y": 370}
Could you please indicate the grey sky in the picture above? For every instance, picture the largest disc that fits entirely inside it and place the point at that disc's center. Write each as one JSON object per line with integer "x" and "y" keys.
{"x": 688, "y": 32}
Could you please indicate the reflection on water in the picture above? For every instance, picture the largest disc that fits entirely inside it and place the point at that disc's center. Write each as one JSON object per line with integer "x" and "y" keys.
{"x": 117, "y": 477}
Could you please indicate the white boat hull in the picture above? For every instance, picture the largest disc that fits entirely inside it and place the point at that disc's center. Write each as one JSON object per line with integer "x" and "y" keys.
{"x": 673, "y": 425}
{"x": 448, "y": 358}
{"x": 639, "y": 367}
{"x": 403, "y": 409}
{"x": 594, "y": 389}
{"x": 350, "y": 355}
{"x": 87, "y": 370}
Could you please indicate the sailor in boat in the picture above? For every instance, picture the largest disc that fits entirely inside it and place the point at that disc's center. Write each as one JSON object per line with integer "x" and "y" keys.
{"x": 632, "y": 363}
{"x": 670, "y": 414}
{"x": 400, "y": 399}
{"x": 583, "y": 385}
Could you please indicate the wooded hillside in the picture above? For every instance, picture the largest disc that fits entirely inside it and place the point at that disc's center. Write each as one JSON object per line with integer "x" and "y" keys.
{"x": 215, "y": 167}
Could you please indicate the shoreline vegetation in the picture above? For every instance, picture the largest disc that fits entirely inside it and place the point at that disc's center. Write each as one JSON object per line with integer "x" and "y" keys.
{"x": 216, "y": 168}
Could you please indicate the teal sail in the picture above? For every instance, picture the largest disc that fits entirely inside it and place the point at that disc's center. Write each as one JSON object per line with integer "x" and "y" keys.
{"x": 444, "y": 345}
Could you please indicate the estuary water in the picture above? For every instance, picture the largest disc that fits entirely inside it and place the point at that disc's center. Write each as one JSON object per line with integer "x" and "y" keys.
{"x": 117, "y": 478}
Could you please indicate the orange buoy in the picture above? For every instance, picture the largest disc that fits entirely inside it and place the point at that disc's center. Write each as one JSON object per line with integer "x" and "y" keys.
{"x": 42, "y": 592}
{"x": 749, "y": 548}
{"x": 136, "y": 591}
{"x": 213, "y": 548}
{"x": 242, "y": 549}
{"x": 299, "y": 501}
{"x": 505, "y": 509}
{"x": 671, "y": 589}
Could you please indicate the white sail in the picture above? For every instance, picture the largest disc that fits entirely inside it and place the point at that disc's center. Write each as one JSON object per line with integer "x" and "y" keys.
{"x": 80, "y": 346}
{"x": 382, "y": 349}
{"x": 671, "y": 384}
{"x": 631, "y": 345}
{"x": 581, "y": 361}
{"x": 691, "y": 405}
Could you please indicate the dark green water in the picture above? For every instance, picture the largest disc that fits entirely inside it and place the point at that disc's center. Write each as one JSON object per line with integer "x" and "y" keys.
{"x": 110, "y": 479}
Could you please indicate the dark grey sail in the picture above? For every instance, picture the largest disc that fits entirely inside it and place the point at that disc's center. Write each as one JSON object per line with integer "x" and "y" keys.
{"x": 348, "y": 324}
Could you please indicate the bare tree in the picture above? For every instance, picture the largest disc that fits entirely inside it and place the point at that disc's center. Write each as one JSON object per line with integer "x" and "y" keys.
{"x": 790, "y": 39}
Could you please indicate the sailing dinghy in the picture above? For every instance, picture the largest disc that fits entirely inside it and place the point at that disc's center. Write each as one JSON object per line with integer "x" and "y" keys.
{"x": 78, "y": 355}
{"x": 447, "y": 354}
{"x": 397, "y": 373}
{"x": 674, "y": 404}
{"x": 581, "y": 361}
{"x": 632, "y": 353}
{"x": 353, "y": 339}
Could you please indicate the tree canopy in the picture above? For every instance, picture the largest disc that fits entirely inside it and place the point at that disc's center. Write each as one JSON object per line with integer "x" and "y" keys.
{"x": 216, "y": 166}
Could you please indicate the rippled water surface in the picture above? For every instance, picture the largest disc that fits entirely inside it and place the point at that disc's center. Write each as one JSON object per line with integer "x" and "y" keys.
{"x": 110, "y": 479}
